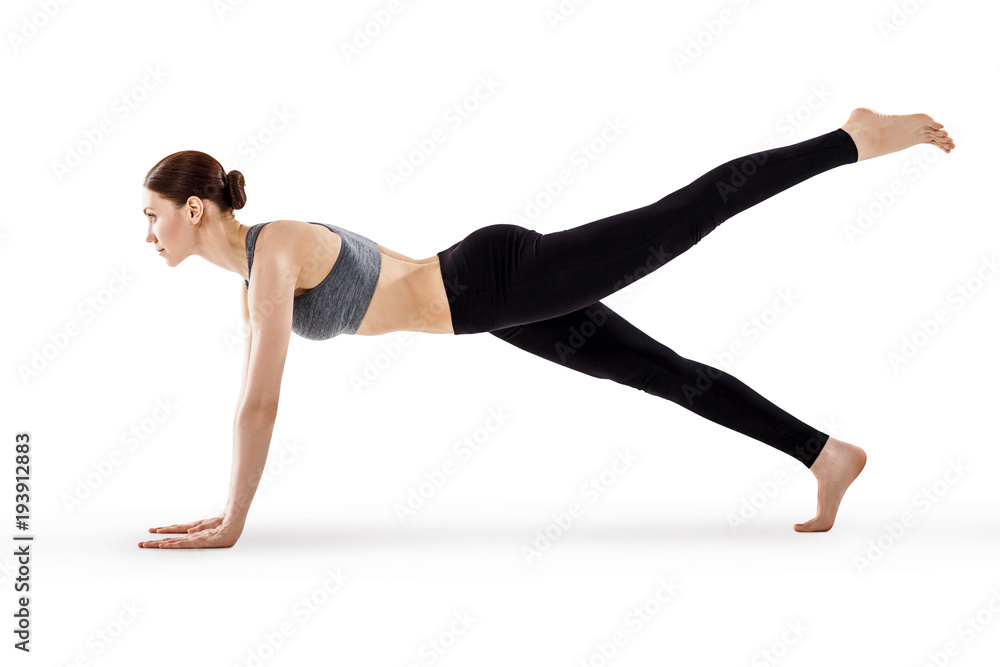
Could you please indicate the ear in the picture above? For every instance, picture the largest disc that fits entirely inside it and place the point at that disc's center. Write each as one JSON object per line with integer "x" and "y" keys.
{"x": 194, "y": 207}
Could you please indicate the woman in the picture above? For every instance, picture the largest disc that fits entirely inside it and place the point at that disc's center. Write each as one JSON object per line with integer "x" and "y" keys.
{"x": 538, "y": 292}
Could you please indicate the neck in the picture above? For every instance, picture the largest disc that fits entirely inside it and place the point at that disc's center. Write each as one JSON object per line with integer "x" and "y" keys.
{"x": 224, "y": 244}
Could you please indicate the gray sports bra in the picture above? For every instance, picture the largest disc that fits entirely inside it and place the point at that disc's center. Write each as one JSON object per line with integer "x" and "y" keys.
{"x": 339, "y": 302}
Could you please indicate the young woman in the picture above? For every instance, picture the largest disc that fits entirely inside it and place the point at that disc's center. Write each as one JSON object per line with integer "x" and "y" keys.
{"x": 538, "y": 292}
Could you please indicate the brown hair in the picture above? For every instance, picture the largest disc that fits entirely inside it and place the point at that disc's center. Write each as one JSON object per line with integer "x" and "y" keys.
{"x": 193, "y": 173}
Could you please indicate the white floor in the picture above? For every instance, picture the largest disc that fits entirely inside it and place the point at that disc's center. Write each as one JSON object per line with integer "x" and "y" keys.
{"x": 641, "y": 586}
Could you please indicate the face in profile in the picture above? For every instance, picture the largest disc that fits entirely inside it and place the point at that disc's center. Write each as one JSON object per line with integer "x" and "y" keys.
{"x": 168, "y": 228}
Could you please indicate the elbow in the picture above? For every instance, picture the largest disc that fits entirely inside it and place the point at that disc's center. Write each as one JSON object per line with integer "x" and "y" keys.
{"x": 259, "y": 407}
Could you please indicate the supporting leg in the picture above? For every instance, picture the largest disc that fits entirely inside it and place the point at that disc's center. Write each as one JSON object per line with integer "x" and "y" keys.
{"x": 599, "y": 342}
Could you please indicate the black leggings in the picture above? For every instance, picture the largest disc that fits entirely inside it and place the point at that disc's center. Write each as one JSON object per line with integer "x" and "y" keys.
{"x": 541, "y": 292}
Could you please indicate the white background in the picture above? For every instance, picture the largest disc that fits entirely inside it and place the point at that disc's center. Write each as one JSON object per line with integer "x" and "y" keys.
{"x": 777, "y": 72}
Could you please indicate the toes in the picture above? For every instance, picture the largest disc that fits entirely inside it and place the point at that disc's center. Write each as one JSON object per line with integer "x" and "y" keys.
{"x": 813, "y": 526}
{"x": 944, "y": 144}
{"x": 931, "y": 122}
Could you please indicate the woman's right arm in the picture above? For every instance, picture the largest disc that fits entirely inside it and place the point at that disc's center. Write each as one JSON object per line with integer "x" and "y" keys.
{"x": 216, "y": 521}
{"x": 272, "y": 295}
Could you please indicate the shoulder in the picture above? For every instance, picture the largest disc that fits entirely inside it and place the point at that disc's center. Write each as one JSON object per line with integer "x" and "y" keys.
{"x": 276, "y": 252}
{"x": 278, "y": 231}
{"x": 278, "y": 241}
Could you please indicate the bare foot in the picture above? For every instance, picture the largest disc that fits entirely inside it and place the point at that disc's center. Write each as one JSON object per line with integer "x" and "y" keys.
{"x": 878, "y": 134}
{"x": 837, "y": 465}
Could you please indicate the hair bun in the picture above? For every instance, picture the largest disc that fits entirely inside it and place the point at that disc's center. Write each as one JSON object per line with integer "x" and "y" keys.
{"x": 234, "y": 186}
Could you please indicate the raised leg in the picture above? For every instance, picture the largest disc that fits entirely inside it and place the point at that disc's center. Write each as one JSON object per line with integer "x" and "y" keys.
{"x": 516, "y": 275}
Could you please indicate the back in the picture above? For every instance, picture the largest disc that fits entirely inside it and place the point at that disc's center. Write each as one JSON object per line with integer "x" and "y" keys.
{"x": 339, "y": 302}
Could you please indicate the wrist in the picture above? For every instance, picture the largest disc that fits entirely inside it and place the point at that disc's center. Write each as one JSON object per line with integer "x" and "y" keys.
{"x": 234, "y": 515}
{"x": 234, "y": 528}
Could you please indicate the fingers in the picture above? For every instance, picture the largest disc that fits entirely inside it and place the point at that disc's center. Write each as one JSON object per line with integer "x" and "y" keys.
{"x": 160, "y": 544}
{"x": 191, "y": 526}
{"x": 151, "y": 544}
{"x": 176, "y": 528}
{"x": 206, "y": 524}
{"x": 192, "y": 542}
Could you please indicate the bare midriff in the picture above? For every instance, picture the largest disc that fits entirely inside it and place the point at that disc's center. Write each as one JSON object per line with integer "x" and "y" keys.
{"x": 409, "y": 295}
